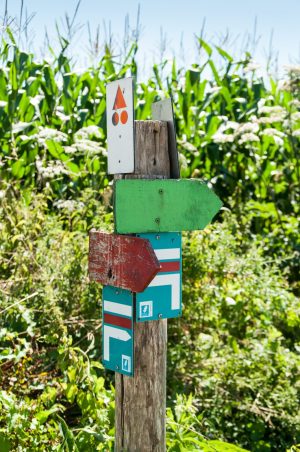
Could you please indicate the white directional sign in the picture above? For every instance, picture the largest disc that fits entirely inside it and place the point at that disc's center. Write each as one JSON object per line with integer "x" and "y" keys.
{"x": 120, "y": 126}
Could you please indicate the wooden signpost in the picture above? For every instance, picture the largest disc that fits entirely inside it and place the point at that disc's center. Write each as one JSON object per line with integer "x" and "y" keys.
{"x": 142, "y": 275}
{"x": 163, "y": 111}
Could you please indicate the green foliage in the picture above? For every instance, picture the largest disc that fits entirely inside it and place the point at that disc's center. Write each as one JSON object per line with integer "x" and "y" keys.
{"x": 236, "y": 349}
{"x": 244, "y": 337}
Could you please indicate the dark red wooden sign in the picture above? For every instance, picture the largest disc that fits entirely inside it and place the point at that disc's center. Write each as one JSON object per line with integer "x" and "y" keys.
{"x": 121, "y": 261}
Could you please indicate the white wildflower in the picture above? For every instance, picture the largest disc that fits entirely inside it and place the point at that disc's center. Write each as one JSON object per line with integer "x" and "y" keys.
{"x": 247, "y": 127}
{"x": 189, "y": 146}
{"x": 295, "y": 103}
{"x": 271, "y": 132}
{"x": 277, "y": 135}
{"x": 295, "y": 69}
{"x": 221, "y": 138}
{"x": 275, "y": 110}
{"x": 87, "y": 132}
{"x": 53, "y": 169}
{"x": 278, "y": 140}
{"x": 20, "y": 126}
{"x": 85, "y": 147}
{"x": 24, "y": 137}
{"x": 45, "y": 133}
{"x": 3, "y": 103}
{"x": 229, "y": 125}
{"x": 284, "y": 85}
{"x": 253, "y": 118}
{"x": 248, "y": 137}
{"x": 296, "y": 133}
{"x": 69, "y": 205}
{"x": 295, "y": 116}
{"x": 270, "y": 119}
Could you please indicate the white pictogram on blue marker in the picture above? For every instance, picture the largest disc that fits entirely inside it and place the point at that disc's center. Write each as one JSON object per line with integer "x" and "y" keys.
{"x": 146, "y": 309}
{"x": 126, "y": 363}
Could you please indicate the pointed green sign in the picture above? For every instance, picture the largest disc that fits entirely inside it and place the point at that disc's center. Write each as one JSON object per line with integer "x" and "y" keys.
{"x": 163, "y": 205}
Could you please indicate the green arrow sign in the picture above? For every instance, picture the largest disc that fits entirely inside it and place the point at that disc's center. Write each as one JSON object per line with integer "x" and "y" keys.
{"x": 163, "y": 205}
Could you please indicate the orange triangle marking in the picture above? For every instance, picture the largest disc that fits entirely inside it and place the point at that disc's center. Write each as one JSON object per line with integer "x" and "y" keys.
{"x": 119, "y": 100}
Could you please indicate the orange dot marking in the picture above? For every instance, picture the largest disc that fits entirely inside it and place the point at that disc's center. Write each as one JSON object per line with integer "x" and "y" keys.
{"x": 115, "y": 118}
{"x": 124, "y": 117}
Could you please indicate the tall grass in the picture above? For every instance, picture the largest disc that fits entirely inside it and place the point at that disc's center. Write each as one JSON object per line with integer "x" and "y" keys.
{"x": 237, "y": 131}
{"x": 233, "y": 129}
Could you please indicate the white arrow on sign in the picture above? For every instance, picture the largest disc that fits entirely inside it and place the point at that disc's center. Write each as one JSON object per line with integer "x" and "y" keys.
{"x": 172, "y": 280}
{"x": 115, "y": 333}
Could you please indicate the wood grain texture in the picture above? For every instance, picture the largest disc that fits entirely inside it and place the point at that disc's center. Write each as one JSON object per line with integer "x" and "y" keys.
{"x": 121, "y": 261}
{"x": 141, "y": 400}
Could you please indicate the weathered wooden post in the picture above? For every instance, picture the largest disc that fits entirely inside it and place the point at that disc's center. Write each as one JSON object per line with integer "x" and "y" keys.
{"x": 140, "y": 265}
{"x": 141, "y": 400}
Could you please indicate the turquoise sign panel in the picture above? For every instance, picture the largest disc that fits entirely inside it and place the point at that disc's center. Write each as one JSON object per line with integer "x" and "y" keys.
{"x": 162, "y": 298}
{"x": 117, "y": 330}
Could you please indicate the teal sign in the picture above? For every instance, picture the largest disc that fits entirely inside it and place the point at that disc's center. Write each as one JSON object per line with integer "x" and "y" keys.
{"x": 117, "y": 330}
{"x": 162, "y": 298}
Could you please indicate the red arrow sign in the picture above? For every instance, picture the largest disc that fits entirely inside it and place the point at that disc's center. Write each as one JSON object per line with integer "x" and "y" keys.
{"x": 121, "y": 261}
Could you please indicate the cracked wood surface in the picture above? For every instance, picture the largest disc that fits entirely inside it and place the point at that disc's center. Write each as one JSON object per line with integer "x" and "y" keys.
{"x": 141, "y": 400}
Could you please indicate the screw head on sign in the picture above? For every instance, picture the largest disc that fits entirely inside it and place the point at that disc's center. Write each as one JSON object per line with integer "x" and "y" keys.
{"x": 157, "y": 237}
{"x": 160, "y": 191}
{"x": 157, "y": 220}
{"x": 160, "y": 316}
{"x": 115, "y": 118}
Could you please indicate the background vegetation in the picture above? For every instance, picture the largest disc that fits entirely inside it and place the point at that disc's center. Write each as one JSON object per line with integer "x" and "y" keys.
{"x": 234, "y": 355}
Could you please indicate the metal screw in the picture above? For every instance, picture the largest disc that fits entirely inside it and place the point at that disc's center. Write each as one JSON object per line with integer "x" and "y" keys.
{"x": 157, "y": 237}
{"x": 117, "y": 292}
{"x": 157, "y": 220}
{"x": 159, "y": 316}
{"x": 117, "y": 367}
{"x": 160, "y": 191}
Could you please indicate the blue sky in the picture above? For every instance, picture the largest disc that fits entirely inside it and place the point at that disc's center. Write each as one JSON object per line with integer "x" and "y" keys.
{"x": 178, "y": 19}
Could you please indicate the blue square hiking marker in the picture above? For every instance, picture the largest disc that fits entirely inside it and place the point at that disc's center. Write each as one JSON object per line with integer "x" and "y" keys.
{"x": 162, "y": 298}
{"x": 117, "y": 330}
